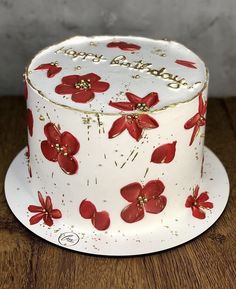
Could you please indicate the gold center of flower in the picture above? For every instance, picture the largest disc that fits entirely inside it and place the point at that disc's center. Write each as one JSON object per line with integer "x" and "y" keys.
{"x": 131, "y": 118}
{"x": 142, "y": 106}
{"x": 54, "y": 63}
{"x": 83, "y": 84}
{"x": 60, "y": 148}
{"x": 142, "y": 200}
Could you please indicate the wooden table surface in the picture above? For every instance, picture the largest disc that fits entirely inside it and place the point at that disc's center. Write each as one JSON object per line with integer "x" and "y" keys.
{"x": 208, "y": 262}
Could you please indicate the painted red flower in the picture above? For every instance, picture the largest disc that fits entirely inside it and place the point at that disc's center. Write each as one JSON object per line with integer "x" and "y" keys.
{"x": 27, "y": 154}
{"x": 198, "y": 119}
{"x": 52, "y": 68}
{"x": 100, "y": 220}
{"x": 136, "y": 122}
{"x": 186, "y": 63}
{"x": 45, "y": 211}
{"x": 123, "y": 46}
{"x": 61, "y": 148}
{"x": 30, "y": 121}
{"x": 198, "y": 203}
{"x": 147, "y": 198}
{"x": 164, "y": 153}
{"x": 82, "y": 87}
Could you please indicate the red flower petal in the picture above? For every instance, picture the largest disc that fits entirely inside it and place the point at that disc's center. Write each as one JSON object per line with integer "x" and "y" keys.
{"x": 123, "y": 46}
{"x": 198, "y": 213}
{"x": 70, "y": 80}
{"x": 90, "y": 76}
{"x": 131, "y": 192}
{"x": 48, "y": 206}
{"x": 134, "y": 129}
{"x": 101, "y": 220}
{"x": 189, "y": 202}
{"x": 100, "y": 86}
{"x": 43, "y": 66}
{"x": 36, "y": 218}
{"x": 56, "y": 214}
{"x": 47, "y": 220}
{"x": 52, "y": 133}
{"x": 118, "y": 127}
{"x": 30, "y": 121}
{"x": 53, "y": 71}
{"x": 164, "y": 153}
{"x": 146, "y": 121}
{"x": 67, "y": 163}
{"x": 186, "y": 63}
{"x": 155, "y": 206}
{"x": 203, "y": 197}
{"x": 134, "y": 99}
{"x": 87, "y": 209}
{"x": 194, "y": 134}
{"x": 70, "y": 142}
{"x": 49, "y": 152}
{"x": 151, "y": 99}
{"x": 83, "y": 96}
{"x": 132, "y": 213}
{"x": 208, "y": 205}
{"x": 65, "y": 89}
{"x": 127, "y": 106}
{"x": 35, "y": 209}
{"x": 192, "y": 121}
{"x": 41, "y": 200}
{"x": 153, "y": 189}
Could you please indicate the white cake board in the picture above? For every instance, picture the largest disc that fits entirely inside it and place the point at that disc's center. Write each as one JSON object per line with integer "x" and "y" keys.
{"x": 163, "y": 236}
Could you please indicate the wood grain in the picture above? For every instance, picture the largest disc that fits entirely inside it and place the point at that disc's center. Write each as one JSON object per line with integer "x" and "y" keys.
{"x": 208, "y": 262}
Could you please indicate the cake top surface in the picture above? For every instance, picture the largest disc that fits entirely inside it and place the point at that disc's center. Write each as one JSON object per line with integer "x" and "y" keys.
{"x": 114, "y": 74}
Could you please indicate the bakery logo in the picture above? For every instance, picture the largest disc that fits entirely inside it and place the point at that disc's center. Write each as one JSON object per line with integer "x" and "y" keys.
{"x": 68, "y": 239}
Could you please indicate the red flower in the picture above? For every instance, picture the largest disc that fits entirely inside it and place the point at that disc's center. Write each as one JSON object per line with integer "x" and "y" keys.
{"x": 147, "y": 199}
{"x": 198, "y": 119}
{"x": 164, "y": 153}
{"x": 123, "y": 46}
{"x": 45, "y": 211}
{"x": 186, "y": 63}
{"x": 82, "y": 87}
{"x": 52, "y": 68}
{"x": 27, "y": 154}
{"x": 197, "y": 203}
{"x": 60, "y": 148}
{"x": 134, "y": 123}
{"x": 30, "y": 121}
{"x": 100, "y": 220}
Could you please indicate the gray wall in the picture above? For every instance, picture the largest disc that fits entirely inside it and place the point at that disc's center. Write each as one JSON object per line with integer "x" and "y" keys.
{"x": 208, "y": 27}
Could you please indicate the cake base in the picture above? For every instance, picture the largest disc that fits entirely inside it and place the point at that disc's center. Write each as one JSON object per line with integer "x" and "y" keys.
{"x": 165, "y": 235}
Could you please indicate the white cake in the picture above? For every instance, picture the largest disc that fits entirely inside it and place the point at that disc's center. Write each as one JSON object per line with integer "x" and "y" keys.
{"x": 116, "y": 133}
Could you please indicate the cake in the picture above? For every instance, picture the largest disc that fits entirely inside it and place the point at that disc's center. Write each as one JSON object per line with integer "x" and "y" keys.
{"x": 116, "y": 134}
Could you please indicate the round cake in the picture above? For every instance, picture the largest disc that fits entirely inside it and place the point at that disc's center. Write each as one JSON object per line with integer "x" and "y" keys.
{"x": 116, "y": 134}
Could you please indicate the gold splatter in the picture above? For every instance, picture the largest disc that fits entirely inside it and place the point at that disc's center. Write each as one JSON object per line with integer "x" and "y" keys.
{"x": 134, "y": 156}
{"x": 146, "y": 172}
{"x": 77, "y": 67}
{"x": 136, "y": 76}
{"x": 41, "y": 117}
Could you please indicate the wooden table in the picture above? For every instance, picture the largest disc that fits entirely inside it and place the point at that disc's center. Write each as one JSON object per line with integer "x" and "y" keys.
{"x": 206, "y": 262}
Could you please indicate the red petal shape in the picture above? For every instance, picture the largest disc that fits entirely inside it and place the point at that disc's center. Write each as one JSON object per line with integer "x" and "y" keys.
{"x": 126, "y": 106}
{"x": 134, "y": 130}
{"x": 52, "y": 133}
{"x": 100, "y": 86}
{"x": 146, "y": 121}
{"x": 41, "y": 200}
{"x": 30, "y": 121}
{"x": 186, "y": 63}
{"x": 202, "y": 106}
{"x": 198, "y": 213}
{"x": 101, "y": 220}
{"x": 208, "y": 205}
{"x": 134, "y": 99}
{"x": 56, "y": 214}
{"x": 43, "y": 66}
{"x": 164, "y": 153}
{"x": 71, "y": 79}
{"x": 70, "y": 142}
{"x": 49, "y": 152}
{"x": 35, "y": 209}
{"x": 189, "y": 202}
{"x": 203, "y": 197}
{"x": 36, "y": 218}
{"x": 153, "y": 189}
{"x": 132, "y": 213}
{"x": 48, "y": 204}
{"x": 65, "y": 89}
{"x": 194, "y": 134}
{"x": 131, "y": 192}
{"x": 87, "y": 209}
{"x": 195, "y": 192}
{"x": 90, "y": 76}
{"x": 67, "y": 163}
{"x": 123, "y": 46}
{"x": 113, "y": 44}
{"x": 192, "y": 121}
{"x": 151, "y": 99}
{"x": 118, "y": 127}
{"x": 155, "y": 206}
{"x": 83, "y": 96}
{"x": 53, "y": 71}
{"x": 48, "y": 220}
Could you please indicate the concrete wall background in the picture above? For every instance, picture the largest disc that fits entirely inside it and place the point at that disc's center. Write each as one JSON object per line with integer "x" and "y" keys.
{"x": 206, "y": 26}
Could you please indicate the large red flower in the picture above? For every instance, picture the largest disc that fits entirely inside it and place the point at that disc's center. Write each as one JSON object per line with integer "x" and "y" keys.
{"x": 147, "y": 198}
{"x": 82, "y": 87}
{"x": 52, "y": 68}
{"x": 45, "y": 211}
{"x": 197, "y": 120}
{"x": 60, "y": 147}
{"x": 30, "y": 121}
{"x": 198, "y": 203}
{"x": 123, "y": 46}
{"x": 136, "y": 122}
{"x": 100, "y": 220}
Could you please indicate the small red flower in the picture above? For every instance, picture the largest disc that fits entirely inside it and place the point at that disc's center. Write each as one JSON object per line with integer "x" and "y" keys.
{"x": 147, "y": 198}
{"x": 52, "y": 68}
{"x": 197, "y": 203}
{"x": 100, "y": 220}
{"x": 198, "y": 119}
{"x": 30, "y": 121}
{"x": 123, "y": 46}
{"x": 164, "y": 153}
{"x": 27, "y": 154}
{"x": 186, "y": 63}
{"x": 82, "y": 87}
{"x": 136, "y": 122}
{"x": 60, "y": 147}
{"x": 45, "y": 211}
